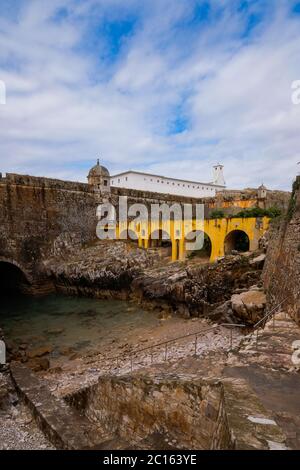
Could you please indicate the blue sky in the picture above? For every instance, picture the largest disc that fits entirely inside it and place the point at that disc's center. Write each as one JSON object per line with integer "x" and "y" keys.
{"x": 165, "y": 86}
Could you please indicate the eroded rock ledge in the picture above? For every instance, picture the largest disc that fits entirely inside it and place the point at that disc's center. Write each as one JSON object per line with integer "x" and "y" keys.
{"x": 120, "y": 270}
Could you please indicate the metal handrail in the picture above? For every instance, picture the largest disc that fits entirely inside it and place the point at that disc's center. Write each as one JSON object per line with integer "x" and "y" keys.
{"x": 266, "y": 317}
{"x": 269, "y": 314}
{"x": 120, "y": 358}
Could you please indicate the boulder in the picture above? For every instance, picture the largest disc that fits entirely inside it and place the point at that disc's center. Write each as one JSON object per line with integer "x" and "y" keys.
{"x": 39, "y": 363}
{"x": 39, "y": 352}
{"x": 54, "y": 331}
{"x": 259, "y": 261}
{"x": 249, "y": 306}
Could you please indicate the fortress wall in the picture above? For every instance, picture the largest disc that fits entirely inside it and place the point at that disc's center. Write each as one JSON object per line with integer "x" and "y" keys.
{"x": 40, "y": 217}
{"x": 282, "y": 268}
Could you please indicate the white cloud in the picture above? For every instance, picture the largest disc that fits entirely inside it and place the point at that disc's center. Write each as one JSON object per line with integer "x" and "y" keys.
{"x": 66, "y": 104}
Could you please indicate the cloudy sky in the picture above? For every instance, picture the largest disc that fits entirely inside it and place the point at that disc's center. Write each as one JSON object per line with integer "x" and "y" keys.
{"x": 165, "y": 86}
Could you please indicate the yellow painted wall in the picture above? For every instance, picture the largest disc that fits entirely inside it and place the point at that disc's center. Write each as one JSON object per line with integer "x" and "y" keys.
{"x": 242, "y": 203}
{"x": 216, "y": 229}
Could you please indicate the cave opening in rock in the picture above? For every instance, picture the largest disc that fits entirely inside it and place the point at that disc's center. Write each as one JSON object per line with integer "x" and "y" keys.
{"x": 12, "y": 279}
{"x": 237, "y": 240}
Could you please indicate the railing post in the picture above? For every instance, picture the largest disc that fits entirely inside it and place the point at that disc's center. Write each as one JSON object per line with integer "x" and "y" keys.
{"x": 257, "y": 339}
{"x": 196, "y": 338}
{"x": 231, "y": 339}
{"x": 131, "y": 362}
{"x": 151, "y": 354}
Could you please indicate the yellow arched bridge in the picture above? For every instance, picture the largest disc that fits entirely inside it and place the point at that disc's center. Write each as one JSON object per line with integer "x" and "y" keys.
{"x": 221, "y": 236}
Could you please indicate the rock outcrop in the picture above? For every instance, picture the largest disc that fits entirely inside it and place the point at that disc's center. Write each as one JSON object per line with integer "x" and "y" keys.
{"x": 104, "y": 270}
{"x": 249, "y": 306}
{"x": 121, "y": 270}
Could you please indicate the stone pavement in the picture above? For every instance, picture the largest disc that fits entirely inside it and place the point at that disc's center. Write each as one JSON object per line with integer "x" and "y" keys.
{"x": 265, "y": 363}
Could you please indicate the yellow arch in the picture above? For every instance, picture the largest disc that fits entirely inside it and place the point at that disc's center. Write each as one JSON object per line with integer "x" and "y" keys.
{"x": 215, "y": 229}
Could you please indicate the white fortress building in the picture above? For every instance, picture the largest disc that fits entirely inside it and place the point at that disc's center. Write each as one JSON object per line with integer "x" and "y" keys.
{"x": 161, "y": 184}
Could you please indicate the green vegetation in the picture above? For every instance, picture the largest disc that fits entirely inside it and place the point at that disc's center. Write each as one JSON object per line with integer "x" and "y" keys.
{"x": 292, "y": 205}
{"x": 217, "y": 214}
{"x": 272, "y": 212}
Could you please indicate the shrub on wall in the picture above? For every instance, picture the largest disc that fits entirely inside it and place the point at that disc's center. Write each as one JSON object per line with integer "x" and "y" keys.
{"x": 217, "y": 214}
{"x": 272, "y": 212}
{"x": 292, "y": 205}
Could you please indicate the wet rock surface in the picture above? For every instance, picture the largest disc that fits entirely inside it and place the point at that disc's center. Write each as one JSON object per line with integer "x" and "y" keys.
{"x": 102, "y": 270}
{"x": 121, "y": 270}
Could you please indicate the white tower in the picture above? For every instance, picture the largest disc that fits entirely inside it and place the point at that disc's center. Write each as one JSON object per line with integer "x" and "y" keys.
{"x": 218, "y": 175}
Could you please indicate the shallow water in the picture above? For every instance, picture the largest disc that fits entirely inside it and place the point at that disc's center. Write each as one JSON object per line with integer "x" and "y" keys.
{"x": 79, "y": 323}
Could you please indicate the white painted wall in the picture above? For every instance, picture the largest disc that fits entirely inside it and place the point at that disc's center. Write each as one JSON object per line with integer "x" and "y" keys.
{"x": 159, "y": 184}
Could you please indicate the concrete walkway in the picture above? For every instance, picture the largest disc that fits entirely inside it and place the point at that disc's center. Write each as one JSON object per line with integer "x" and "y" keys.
{"x": 266, "y": 365}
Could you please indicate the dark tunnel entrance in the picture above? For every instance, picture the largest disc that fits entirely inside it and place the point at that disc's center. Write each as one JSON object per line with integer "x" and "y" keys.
{"x": 12, "y": 279}
{"x": 237, "y": 240}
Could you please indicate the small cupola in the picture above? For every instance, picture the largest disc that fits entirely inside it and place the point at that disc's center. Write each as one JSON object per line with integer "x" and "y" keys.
{"x": 99, "y": 178}
{"x": 262, "y": 192}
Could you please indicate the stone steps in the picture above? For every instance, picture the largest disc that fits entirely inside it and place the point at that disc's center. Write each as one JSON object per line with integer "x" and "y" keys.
{"x": 268, "y": 369}
{"x": 251, "y": 424}
{"x": 62, "y": 425}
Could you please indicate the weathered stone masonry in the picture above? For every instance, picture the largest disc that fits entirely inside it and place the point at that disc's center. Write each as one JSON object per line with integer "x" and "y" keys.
{"x": 282, "y": 268}
{"x": 42, "y": 217}
{"x": 39, "y": 216}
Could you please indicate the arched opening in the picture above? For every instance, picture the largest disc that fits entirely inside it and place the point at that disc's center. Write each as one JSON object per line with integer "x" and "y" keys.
{"x": 12, "y": 279}
{"x": 202, "y": 253}
{"x": 237, "y": 240}
{"x": 161, "y": 239}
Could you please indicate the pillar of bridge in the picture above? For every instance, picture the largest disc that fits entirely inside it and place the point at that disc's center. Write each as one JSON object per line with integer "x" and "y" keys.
{"x": 217, "y": 248}
{"x": 253, "y": 243}
{"x": 174, "y": 249}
